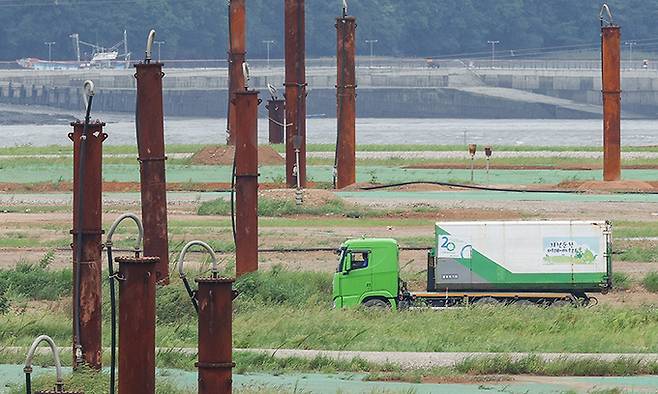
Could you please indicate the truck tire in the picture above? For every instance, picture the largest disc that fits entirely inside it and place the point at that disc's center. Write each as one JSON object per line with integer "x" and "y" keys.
{"x": 376, "y": 303}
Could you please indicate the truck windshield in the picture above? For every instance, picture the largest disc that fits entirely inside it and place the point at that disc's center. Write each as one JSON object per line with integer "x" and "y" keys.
{"x": 341, "y": 258}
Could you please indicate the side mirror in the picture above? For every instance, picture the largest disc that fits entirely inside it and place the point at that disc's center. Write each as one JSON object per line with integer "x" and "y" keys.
{"x": 348, "y": 265}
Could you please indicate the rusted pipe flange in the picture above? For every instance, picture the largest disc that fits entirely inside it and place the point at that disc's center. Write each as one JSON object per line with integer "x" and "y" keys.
{"x": 220, "y": 279}
{"x": 137, "y": 260}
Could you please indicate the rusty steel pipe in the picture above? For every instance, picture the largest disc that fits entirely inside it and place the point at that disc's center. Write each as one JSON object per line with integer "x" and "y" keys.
{"x": 215, "y": 297}
{"x": 137, "y": 324}
{"x": 611, "y": 90}
{"x": 151, "y": 147}
{"x": 236, "y": 57}
{"x": 295, "y": 84}
{"x": 346, "y": 102}
{"x": 276, "y": 111}
{"x": 90, "y": 234}
{"x": 246, "y": 182}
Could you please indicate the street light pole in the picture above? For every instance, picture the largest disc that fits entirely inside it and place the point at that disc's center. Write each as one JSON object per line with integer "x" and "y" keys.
{"x": 268, "y": 43}
{"x": 630, "y": 54}
{"x": 372, "y": 49}
{"x": 493, "y": 51}
{"x": 50, "y": 49}
{"x": 159, "y": 44}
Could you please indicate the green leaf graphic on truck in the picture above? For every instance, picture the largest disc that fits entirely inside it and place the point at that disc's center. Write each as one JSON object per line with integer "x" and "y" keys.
{"x": 576, "y": 250}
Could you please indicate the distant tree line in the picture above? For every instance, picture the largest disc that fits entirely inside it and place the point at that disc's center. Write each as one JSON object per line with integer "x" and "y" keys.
{"x": 196, "y": 29}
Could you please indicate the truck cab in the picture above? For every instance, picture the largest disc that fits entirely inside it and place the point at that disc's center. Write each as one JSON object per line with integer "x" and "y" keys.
{"x": 367, "y": 273}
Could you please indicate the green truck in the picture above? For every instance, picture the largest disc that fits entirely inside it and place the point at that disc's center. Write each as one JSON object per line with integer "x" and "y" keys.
{"x": 511, "y": 262}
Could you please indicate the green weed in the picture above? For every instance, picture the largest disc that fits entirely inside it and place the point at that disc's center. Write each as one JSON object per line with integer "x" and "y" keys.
{"x": 650, "y": 282}
{"x": 621, "y": 281}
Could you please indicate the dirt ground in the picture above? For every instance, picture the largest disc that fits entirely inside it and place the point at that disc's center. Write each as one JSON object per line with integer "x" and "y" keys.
{"x": 223, "y": 155}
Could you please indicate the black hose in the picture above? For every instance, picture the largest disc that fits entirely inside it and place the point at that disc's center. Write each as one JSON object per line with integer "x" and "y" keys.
{"x": 28, "y": 383}
{"x": 192, "y": 294}
{"x": 233, "y": 203}
{"x": 113, "y": 322}
{"x": 475, "y": 187}
{"x": 78, "y": 251}
{"x": 494, "y": 189}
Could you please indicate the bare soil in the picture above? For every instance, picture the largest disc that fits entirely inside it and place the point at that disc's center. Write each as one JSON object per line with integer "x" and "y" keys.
{"x": 615, "y": 186}
{"x": 223, "y": 155}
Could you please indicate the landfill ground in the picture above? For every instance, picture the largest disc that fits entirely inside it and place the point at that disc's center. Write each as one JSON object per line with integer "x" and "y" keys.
{"x": 35, "y": 220}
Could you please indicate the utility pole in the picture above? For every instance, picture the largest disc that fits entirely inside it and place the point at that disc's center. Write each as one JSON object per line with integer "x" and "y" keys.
{"x": 493, "y": 51}
{"x": 372, "y": 49}
{"x": 268, "y": 43}
{"x": 50, "y": 49}
{"x": 630, "y": 44}
{"x": 159, "y": 44}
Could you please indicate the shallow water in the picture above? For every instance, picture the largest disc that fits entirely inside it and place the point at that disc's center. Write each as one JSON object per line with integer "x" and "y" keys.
{"x": 369, "y": 131}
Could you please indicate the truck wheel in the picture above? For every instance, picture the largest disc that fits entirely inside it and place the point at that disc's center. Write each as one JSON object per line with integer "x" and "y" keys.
{"x": 376, "y": 303}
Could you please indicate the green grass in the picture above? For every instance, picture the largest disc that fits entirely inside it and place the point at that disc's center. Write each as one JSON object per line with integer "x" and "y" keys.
{"x": 641, "y": 251}
{"x": 635, "y": 229}
{"x": 35, "y": 281}
{"x": 534, "y": 365}
{"x": 650, "y": 282}
{"x": 91, "y": 382}
{"x": 293, "y": 310}
{"x": 621, "y": 281}
{"x": 277, "y": 207}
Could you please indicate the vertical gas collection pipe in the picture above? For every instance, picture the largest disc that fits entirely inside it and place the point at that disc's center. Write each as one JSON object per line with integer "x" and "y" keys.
{"x": 611, "y": 89}
{"x": 215, "y": 297}
{"x": 91, "y": 232}
{"x": 137, "y": 324}
{"x": 346, "y": 102}
{"x": 236, "y": 55}
{"x": 276, "y": 108}
{"x": 295, "y": 84}
{"x": 151, "y": 146}
{"x": 246, "y": 182}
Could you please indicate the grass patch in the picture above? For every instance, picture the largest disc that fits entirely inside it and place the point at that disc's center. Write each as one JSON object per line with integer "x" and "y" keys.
{"x": 91, "y": 382}
{"x": 277, "y": 207}
{"x": 621, "y": 281}
{"x": 650, "y": 282}
{"x": 642, "y": 251}
{"x": 535, "y": 365}
{"x": 34, "y": 281}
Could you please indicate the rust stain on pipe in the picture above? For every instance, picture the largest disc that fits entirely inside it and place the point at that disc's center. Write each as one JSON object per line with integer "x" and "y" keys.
{"x": 151, "y": 146}
{"x": 137, "y": 324}
{"x": 215, "y": 296}
{"x": 90, "y": 260}
{"x": 295, "y": 52}
{"x": 611, "y": 89}
{"x": 236, "y": 56}
{"x": 346, "y": 102}
{"x": 246, "y": 182}
{"x": 276, "y": 110}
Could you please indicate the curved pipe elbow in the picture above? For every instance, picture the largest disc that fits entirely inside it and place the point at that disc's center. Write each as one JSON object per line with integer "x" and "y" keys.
{"x": 183, "y": 253}
{"x": 55, "y": 352}
{"x": 605, "y": 9}
{"x": 117, "y": 222}
{"x": 149, "y": 45}
{"x": 88, "y": 87}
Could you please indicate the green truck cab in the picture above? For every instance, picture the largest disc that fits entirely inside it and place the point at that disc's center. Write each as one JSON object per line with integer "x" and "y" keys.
{"x": 367, "y": 273}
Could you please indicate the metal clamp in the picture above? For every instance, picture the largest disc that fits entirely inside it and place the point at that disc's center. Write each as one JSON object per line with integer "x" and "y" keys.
{"x": 59, "y": 383}
{"x": 181, "y": 272}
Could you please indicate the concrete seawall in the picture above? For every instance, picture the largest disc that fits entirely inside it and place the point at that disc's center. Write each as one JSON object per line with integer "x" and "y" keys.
{"x": 420, "y": 92}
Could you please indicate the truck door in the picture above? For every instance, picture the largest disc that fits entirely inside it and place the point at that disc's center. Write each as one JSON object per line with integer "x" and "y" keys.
{"x": 356, "y": 276}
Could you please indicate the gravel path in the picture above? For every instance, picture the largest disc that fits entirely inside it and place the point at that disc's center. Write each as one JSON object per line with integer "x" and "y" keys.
{"x": 405, "y": 360}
